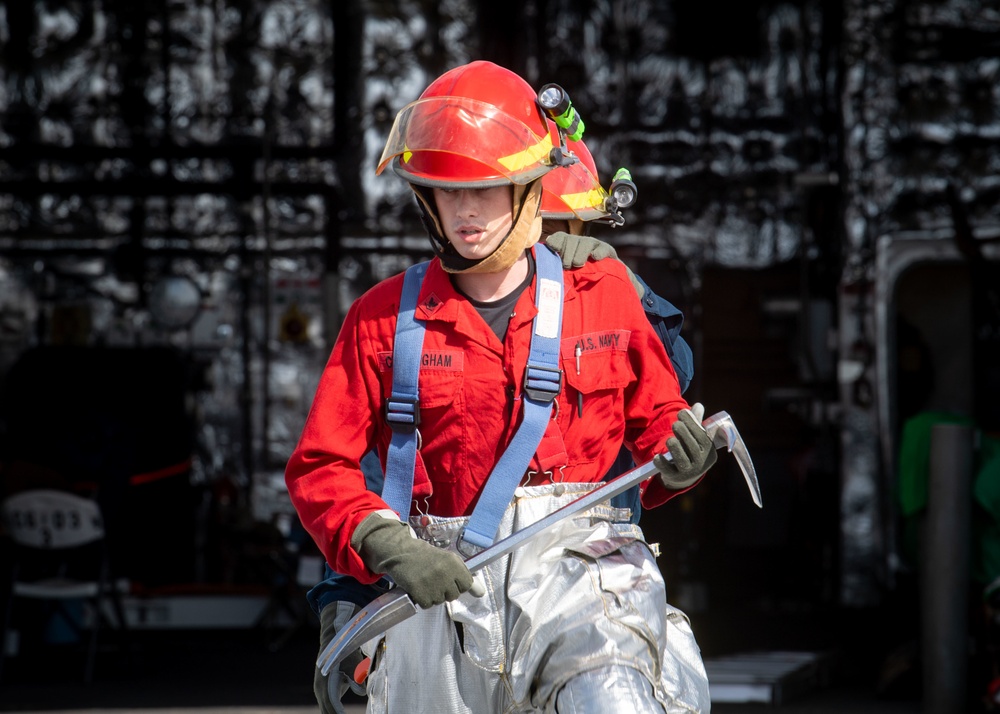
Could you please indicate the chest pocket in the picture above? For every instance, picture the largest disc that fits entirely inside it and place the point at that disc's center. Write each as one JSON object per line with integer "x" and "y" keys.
{"x": 441, "y": 377}
{"x": 443, "y": 421}
{"x": 596, "y": 371}
{"x": 596, "y": 361}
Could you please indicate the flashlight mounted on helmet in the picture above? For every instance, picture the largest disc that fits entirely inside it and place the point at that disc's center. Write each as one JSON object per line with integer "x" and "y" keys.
{"x": 622, "y": 194}
{"x": 623, "y": 191}
{"x": 555, "y": 102}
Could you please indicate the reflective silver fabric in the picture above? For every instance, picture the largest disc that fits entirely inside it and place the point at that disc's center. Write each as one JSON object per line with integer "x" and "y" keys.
{"x": 589, "y": 693}
{"x": 584, "y": 595}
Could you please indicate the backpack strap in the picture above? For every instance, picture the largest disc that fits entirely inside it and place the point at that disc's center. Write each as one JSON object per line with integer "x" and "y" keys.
{"x": 542, "y": 383}
{"x": 402, "y": 409}
{"x": 667, "y": 320}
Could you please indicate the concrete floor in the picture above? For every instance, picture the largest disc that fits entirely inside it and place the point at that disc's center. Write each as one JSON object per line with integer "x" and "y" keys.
{"x": 829, "y": 702}
{"x": 208, "y": 672}
{"x": 818, "y": 704}
{"x": 834, "y": 701}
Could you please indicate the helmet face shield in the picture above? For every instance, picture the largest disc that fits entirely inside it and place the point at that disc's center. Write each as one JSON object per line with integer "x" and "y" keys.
{"x": 452, "y": 141}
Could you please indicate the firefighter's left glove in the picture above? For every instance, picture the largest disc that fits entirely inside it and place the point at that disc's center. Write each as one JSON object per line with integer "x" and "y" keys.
{"x": 429, "y": 575}
{"x": 691, "y": 451}
{"x": 575, "y": 250}
{"x": 330, "y": 691}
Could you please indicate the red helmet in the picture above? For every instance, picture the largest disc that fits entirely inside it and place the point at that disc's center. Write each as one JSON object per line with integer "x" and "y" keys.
{"x": 574, "y": 191}
{"x": 475, "y": 126}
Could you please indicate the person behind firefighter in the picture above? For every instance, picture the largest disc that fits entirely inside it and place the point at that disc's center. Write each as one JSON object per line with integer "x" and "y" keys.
{"x": 575, "y": 620}
{"x": 574, "y": 199}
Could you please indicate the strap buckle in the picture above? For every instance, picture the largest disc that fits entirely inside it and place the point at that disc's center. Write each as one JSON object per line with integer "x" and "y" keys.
{"x": 541, "y": 383}
{"x": 470, "y": 543}
{"x": 402, "y": 413}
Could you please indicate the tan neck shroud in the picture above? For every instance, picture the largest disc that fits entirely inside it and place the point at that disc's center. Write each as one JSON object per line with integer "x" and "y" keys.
{"x": 525, "y": 232}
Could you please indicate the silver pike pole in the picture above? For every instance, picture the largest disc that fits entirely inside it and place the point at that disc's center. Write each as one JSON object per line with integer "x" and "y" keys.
{"x": 396, "y": 606}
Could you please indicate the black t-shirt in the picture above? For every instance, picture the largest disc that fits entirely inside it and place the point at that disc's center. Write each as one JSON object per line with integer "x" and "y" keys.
{"x": 497, "y": 313}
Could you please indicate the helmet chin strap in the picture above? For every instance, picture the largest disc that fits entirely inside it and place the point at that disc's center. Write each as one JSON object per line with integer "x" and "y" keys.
{"x": 524, "y": 233}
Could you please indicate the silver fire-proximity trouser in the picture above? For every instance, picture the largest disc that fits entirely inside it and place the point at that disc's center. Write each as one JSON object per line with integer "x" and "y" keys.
{"x": 575, "y": 620}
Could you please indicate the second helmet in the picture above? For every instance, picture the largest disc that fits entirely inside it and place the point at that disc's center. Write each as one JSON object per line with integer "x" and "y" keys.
{"x": 574, "y": 192}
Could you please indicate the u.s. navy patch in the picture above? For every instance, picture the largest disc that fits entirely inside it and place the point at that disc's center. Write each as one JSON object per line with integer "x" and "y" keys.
{"x": 605, "y": 341}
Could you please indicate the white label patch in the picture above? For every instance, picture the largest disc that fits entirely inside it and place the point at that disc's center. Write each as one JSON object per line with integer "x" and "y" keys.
{"x": 549, "y": 302}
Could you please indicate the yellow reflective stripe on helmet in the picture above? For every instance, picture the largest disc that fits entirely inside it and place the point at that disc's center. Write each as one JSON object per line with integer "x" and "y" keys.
{"x": 527, "y": 157}
{"x": 585, "y": 199}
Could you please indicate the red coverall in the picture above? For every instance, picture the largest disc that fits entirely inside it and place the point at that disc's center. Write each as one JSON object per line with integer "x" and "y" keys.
{"x": 470, "y": 385}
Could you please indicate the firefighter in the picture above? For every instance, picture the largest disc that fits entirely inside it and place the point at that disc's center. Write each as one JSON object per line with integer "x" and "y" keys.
{"x": 575, "y": 620}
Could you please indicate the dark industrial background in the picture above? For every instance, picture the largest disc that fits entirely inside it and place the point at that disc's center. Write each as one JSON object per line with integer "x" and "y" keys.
{"x": 188, "y": 206}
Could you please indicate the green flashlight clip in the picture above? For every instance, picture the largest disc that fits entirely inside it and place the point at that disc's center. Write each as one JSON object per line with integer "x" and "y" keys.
{"x": 555, "y": 102}
{"x": 623, "y": 191}
{"x": 622, "y": 194}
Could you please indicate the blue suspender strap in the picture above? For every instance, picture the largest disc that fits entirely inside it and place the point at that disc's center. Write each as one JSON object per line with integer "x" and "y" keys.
{"x": 402, "y": 410}
{"x": 542, "y": 382}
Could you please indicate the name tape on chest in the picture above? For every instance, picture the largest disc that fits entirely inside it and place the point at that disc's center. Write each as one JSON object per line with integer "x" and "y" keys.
{"x": 442, "y": 360}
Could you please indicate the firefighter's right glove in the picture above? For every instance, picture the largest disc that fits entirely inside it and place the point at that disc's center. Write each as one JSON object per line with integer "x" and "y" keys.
{"x": 575, "y": 250}
{"x": 329, "y": 691}
{"x": 429, "y": 575}
{"x": 692, "y": 452}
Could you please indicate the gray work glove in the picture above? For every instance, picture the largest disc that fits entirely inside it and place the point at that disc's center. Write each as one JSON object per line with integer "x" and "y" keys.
{"x": 575, "y": 251}
{"x": 330, "y": 691}
{"x": 429, "y": 575}
{"x": 692, "y": 452}
{"x": 636, "y": 285}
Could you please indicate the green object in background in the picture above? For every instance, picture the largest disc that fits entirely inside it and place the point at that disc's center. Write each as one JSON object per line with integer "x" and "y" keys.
{"x": 915, "y": 458}
{"x": 912, "y": 485}
{"x": 986, "y": 521}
